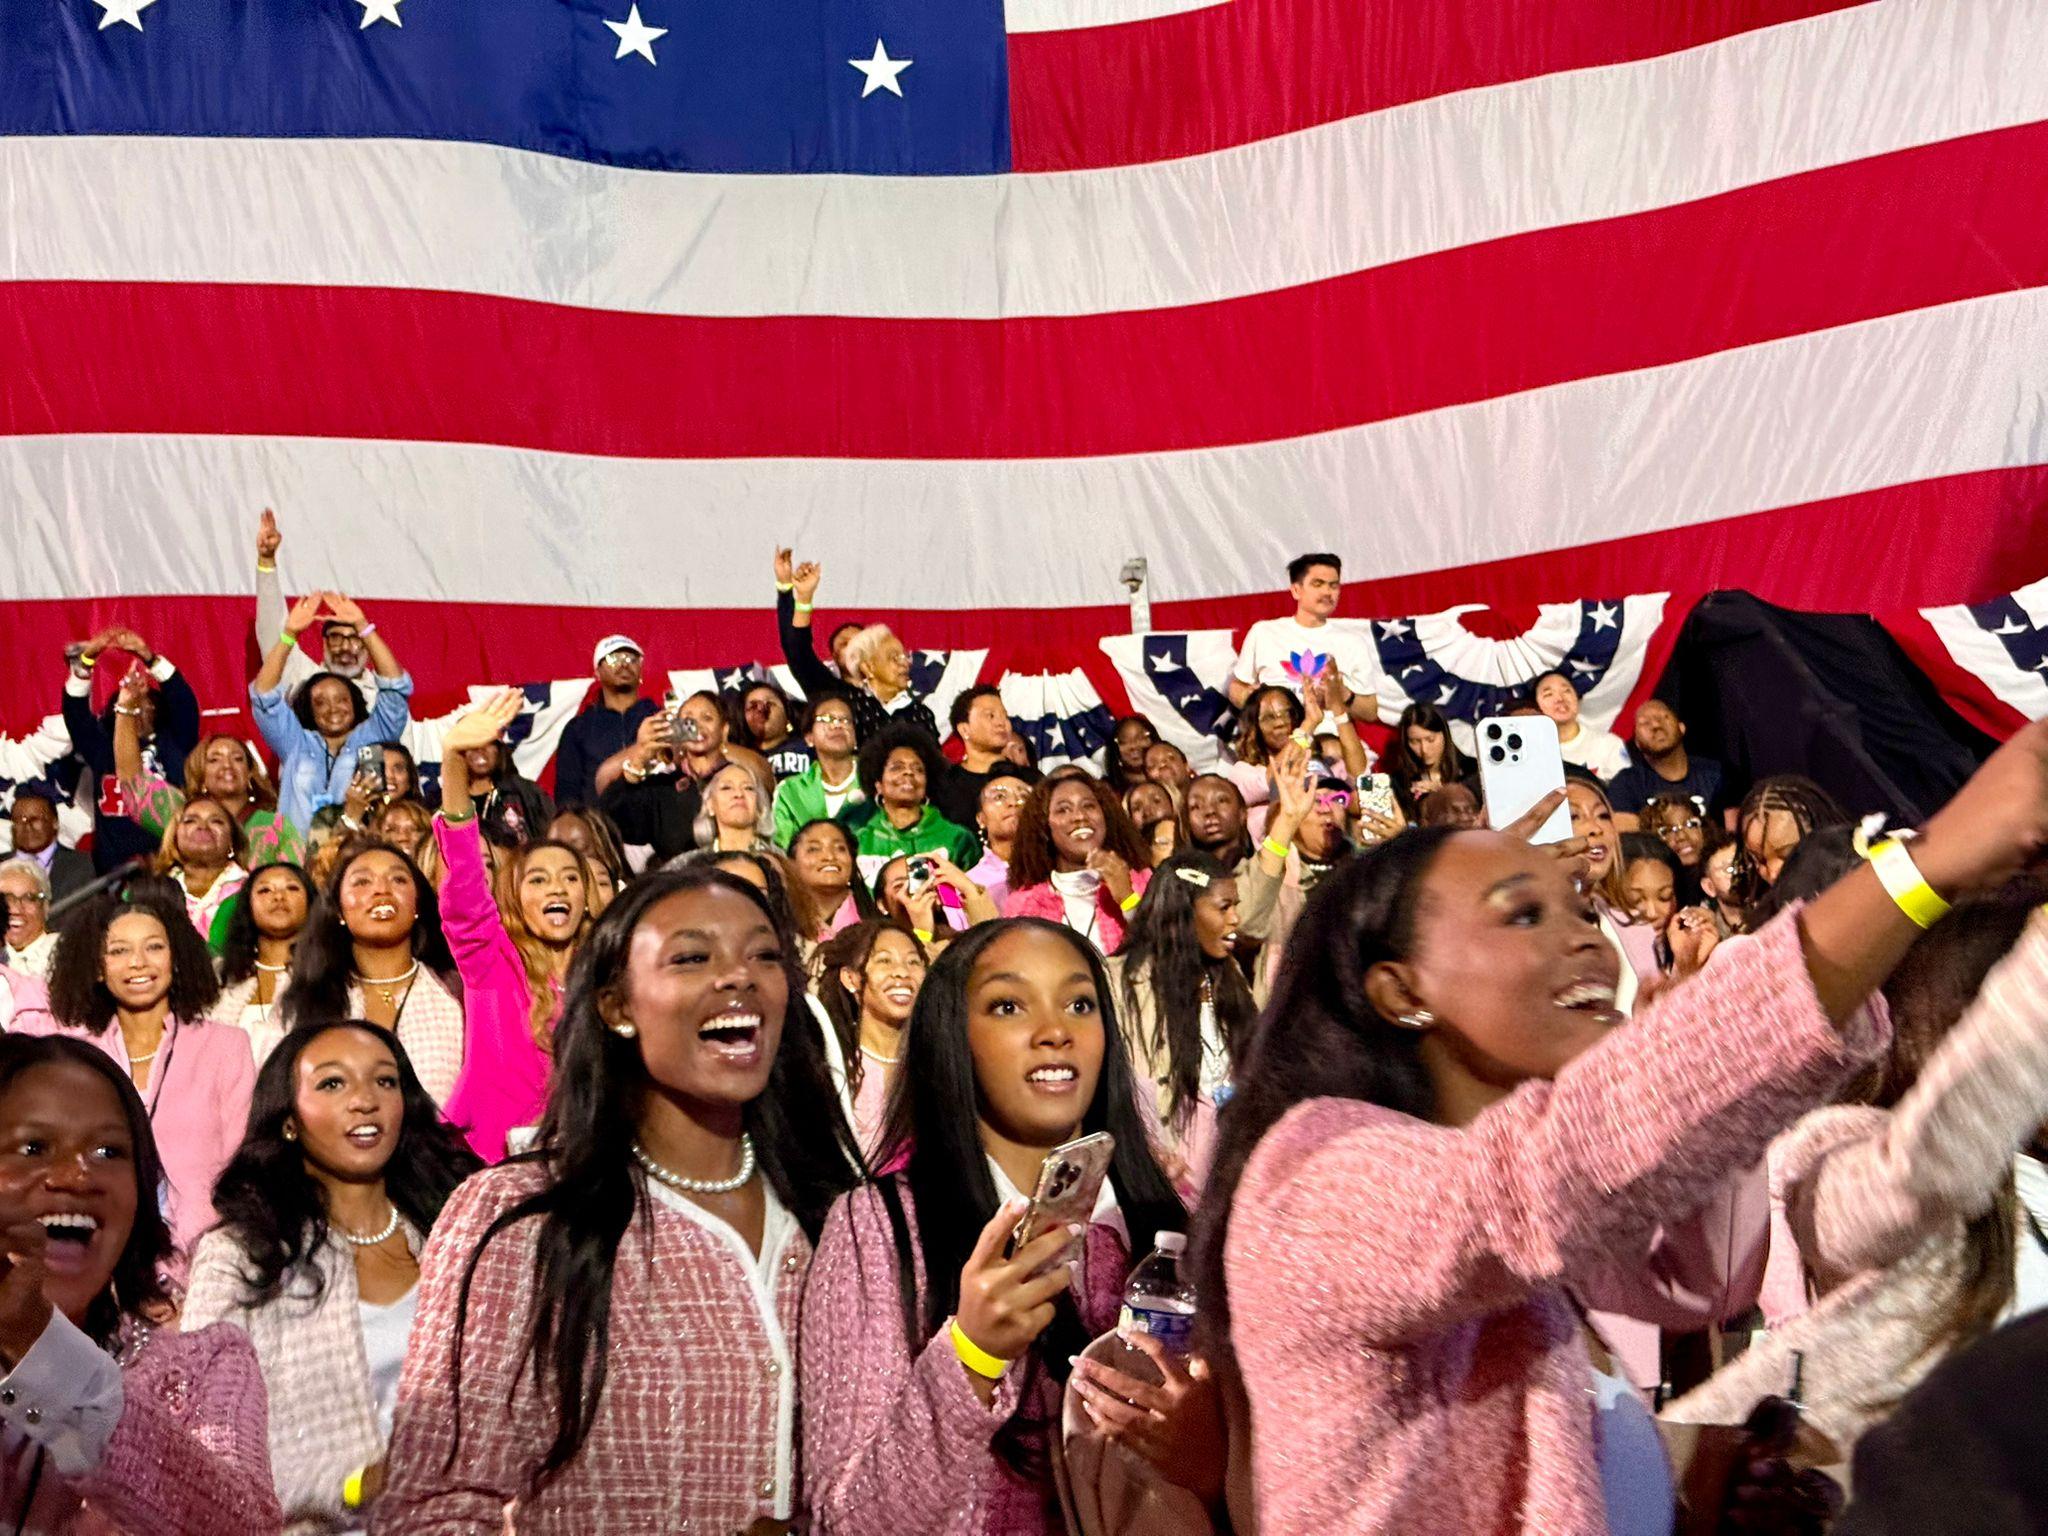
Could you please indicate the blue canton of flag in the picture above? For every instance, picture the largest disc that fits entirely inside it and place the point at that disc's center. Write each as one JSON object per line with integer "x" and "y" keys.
{"x": 896, "y": 87}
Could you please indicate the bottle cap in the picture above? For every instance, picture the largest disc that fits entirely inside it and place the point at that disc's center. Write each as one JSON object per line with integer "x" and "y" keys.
{"x": 1170, "y": 1242}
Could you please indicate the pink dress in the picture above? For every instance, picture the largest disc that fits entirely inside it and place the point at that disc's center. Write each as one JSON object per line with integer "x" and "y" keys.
{"x": 896, "y": 1443}
{"x": 504, "y": 1080}
{"x": 198, "y": 1097}
{"x": 1402, "y": 1291}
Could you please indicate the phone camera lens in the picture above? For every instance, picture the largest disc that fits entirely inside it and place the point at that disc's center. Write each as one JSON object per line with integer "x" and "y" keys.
{"x": 1515, "y": 743}
{"x": 1497, "y": 754}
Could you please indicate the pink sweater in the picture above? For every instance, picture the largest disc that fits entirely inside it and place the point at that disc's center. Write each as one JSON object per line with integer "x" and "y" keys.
{"x": 897, "y": 1444}
{"x": 198, "y": 1097}
{"x": 1042, "y": 900}
{"x": 504, "y": 1081}
{"x": 1402, "y": 1306}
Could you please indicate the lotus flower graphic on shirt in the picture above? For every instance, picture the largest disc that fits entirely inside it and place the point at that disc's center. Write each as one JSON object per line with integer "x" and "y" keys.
{"x": 1305, "y": 666}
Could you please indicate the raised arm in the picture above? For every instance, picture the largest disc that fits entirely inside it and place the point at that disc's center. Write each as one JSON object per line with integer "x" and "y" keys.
{"x": 177, "y": 706}
{"x": 796, "y": 588}
{"x": 271, "y": 674}
{"x": 382, "y": 658}
{"x": 88, "y": 740}
{"x": 270, "y": 608}
{"x": 128, "y": 727}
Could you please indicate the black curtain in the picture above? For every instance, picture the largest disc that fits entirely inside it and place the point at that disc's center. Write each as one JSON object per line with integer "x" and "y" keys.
{"x": 1769, "y": 690}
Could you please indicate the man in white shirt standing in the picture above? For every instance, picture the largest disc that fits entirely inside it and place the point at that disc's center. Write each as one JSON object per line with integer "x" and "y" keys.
{"x": 1271, "y": 646}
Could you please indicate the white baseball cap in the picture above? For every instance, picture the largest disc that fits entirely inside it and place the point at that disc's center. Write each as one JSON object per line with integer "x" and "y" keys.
{"x": 611, "y": 643}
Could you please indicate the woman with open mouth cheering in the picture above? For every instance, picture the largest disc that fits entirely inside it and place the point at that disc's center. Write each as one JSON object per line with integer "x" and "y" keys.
{"x": 109, "y": 1419}
{"x": 934, "y": 1362}
{"x": 135, "y": 979}
{"x": 323, "y": 1212}
{"x": 606, "y": 1326}
{"x": 512, "y": 943}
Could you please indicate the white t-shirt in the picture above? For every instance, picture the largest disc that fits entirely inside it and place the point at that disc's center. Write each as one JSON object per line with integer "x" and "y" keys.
{"x": 1601, "y": 753}
{"x": 1269, "y": 643}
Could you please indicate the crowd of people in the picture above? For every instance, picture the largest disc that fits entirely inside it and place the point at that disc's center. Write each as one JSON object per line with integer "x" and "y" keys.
{"x": 660, "y": 1150}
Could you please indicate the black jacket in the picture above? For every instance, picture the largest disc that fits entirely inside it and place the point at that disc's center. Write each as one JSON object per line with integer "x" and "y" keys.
{"x": 870, "y": 718}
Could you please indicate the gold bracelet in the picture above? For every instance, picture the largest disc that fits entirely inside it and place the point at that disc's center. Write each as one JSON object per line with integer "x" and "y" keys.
{"x": 975, "y": 1358}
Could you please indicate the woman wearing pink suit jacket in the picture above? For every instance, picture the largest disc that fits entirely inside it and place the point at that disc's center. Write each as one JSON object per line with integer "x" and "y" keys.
{"x": 511, "y": 988}
{"x": 1436, "y": 1135}
{"x": 110, "y": 1420}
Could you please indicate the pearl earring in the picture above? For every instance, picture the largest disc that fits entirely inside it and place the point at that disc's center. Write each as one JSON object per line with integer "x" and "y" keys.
{"x": 1421, "y": 1018}
{"x": 625, "y": 1029}
{"x": 291, "y": 1133}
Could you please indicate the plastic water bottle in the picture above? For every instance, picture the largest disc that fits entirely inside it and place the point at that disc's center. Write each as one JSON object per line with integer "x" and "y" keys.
{"x": 1158, "y": 1300}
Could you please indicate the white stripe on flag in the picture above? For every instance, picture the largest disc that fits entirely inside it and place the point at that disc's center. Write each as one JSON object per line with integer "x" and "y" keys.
{"x": 1908, "y": 397}
{"x": 1069, "y": 15}
{"x": 1558, "y": 149}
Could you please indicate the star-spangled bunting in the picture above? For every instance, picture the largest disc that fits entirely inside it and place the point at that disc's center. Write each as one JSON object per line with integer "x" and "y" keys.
{"x": 379, "y": 10}
{"x": 129, "y": 11}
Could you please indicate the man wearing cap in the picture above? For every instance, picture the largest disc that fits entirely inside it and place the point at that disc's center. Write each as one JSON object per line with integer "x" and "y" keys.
{"x": 610, "y": 724}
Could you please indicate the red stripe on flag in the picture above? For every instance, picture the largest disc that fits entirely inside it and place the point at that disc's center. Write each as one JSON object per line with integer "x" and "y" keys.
{"x": 1898, "y": 232}
{"x": 1963, "y": 538}
{"x": 1252, "y": 69}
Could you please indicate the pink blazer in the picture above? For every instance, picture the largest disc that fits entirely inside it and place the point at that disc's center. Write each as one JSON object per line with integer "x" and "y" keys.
{"x": 1042, "y": 900}
{"x": 1401, "y": 1290}
{"x": 188, "y": 1457}
{"x": 895, "y": 1442}
{"x": 198, "y": 1097}
{"x": 504, "y": 1081}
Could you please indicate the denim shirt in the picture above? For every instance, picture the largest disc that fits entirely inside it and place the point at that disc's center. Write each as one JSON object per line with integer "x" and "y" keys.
{"x": 307, "y": 778}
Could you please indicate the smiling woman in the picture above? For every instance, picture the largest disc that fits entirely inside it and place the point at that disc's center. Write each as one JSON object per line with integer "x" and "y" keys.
{"x": 642, "y": 1269}
{"x": 109, "y": 1420}
{"x": 1077, "y": 859}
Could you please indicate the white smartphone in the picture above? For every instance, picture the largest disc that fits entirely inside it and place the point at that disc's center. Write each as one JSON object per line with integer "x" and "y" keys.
{"x": 1376, "y": 794}
{"x": 1519, "y": 763}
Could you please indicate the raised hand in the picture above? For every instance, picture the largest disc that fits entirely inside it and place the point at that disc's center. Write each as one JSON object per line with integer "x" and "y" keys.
{"x": 785, "y": 568}
{"x": 1115, "y": 873}
{"x": 1997, "y": 823}
{"x": 1692, "y": 936}
{"x": 1005, "y": 1304}
{"x": 484, "y": 724}
{"x": 304, "y": 612}
{"x": 346, "y": 609}
{"x": 1290, "y": 781}
{"x": 268, "y": 539}
{"x": 807, "y": 576}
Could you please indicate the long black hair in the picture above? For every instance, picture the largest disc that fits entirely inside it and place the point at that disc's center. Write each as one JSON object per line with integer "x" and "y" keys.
{"x": 238, "y": 953}
{"x": 849, "y": 949}
{"x": 1320, "y": 1036}
{"x": 325, "y": 957}
{"x": 79, "y": 997}
{"x": 933, "y": 1132}
{"x": 138, "y": 1273}
{"x": 1161, "y": 944}
{"x": 277, "y": 1210}
{"x": 863, "y": 898}
{"x": 595, "y": 1187}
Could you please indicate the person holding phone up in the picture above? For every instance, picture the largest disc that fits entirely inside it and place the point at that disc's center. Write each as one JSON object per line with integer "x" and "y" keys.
{"x": 933, "y": 1355}
{"x": 316, "y": 735}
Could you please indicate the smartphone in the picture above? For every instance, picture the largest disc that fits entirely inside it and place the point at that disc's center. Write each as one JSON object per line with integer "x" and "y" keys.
{"x": 920, "y": 873}
{"x": 1519, "y": 763}
{"x": 370, "y": 765}
{"x": 1069, "y": 1183}
{"x": 681, "y": 728}
{"x": 1376, "y": 794}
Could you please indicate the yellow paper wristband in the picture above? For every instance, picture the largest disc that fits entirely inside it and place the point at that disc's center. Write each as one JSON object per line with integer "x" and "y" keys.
{"x": 1279, "y": 850}
{"x": 1905, "y": 884}
{"x": 974, "y": 1357}
{"x": 352, "y": 1489}
{"x": 1130, "y": 902}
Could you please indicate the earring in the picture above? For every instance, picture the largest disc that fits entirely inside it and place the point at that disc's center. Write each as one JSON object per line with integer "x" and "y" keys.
{"x": 625, "y": 1029}
{"x": 1421, "y": 1018}
{"x": 291, "y": 1133}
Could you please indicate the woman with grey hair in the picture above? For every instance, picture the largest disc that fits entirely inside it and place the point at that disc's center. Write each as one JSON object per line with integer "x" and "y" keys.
{"x": 25, "y": 885}
{"x": 874, "y": 663}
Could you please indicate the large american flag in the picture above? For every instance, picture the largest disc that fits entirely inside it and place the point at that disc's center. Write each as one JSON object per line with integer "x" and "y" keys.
{"x": 538, "y": 319}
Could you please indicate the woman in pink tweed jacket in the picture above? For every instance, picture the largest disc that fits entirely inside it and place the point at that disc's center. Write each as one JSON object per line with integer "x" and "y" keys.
{"x": 901, "y": 1436}
{"x": 110, "y": 1422}
{"x": 606, "y": 1336}
{"x": 1443, "y": 1124}
{"x": 1077, "y": 859}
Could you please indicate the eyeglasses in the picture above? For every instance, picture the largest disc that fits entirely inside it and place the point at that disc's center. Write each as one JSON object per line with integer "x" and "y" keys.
{"x": 1690, "y": 824}
{"x": 26, "y": 899}
{"x": 832, "y": 720}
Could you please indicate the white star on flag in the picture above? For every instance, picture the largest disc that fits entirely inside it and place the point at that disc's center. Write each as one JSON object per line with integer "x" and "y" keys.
{"x": 379, "y": 10}
{"x": 1394, "y": 629}
{"x": 1604, "y": 615}
{"x": 881, "y": 71}
{"x": 129, "y": 11}
{"x": 635, "y": 36}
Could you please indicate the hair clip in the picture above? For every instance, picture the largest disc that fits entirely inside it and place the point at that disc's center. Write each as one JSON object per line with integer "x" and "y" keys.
{"x": 1866, "y": 833}
{"x": 1194, "y": 877}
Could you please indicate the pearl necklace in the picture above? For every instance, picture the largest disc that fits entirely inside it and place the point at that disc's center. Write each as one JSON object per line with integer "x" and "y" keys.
{"x": 688, "y": 1186}
{"x": 386, "y": 984}
{"x": 279, "y": 970}
{"x": 347, "y": 1236}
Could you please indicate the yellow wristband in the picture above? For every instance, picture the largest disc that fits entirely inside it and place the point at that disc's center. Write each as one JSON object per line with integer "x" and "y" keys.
{"x": 924, "y": 935}
{"x": 975, "y": 1358}
{"x": 1906, "y": 885}
{"x": 1279, "y": 850}
{"x": 287, "y": 637}
{"x": 352, "y": 1489}
{"x": 265, "y": 569}
{"x": 1130, "y": 902}
{"x": 802, "y": 606}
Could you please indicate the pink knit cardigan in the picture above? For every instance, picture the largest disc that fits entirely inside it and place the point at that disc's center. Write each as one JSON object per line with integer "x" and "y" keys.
{"x": 1402, "y": 1308}
{"x": 1042, "y": 900}
{"x": 504, "y": 1081}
